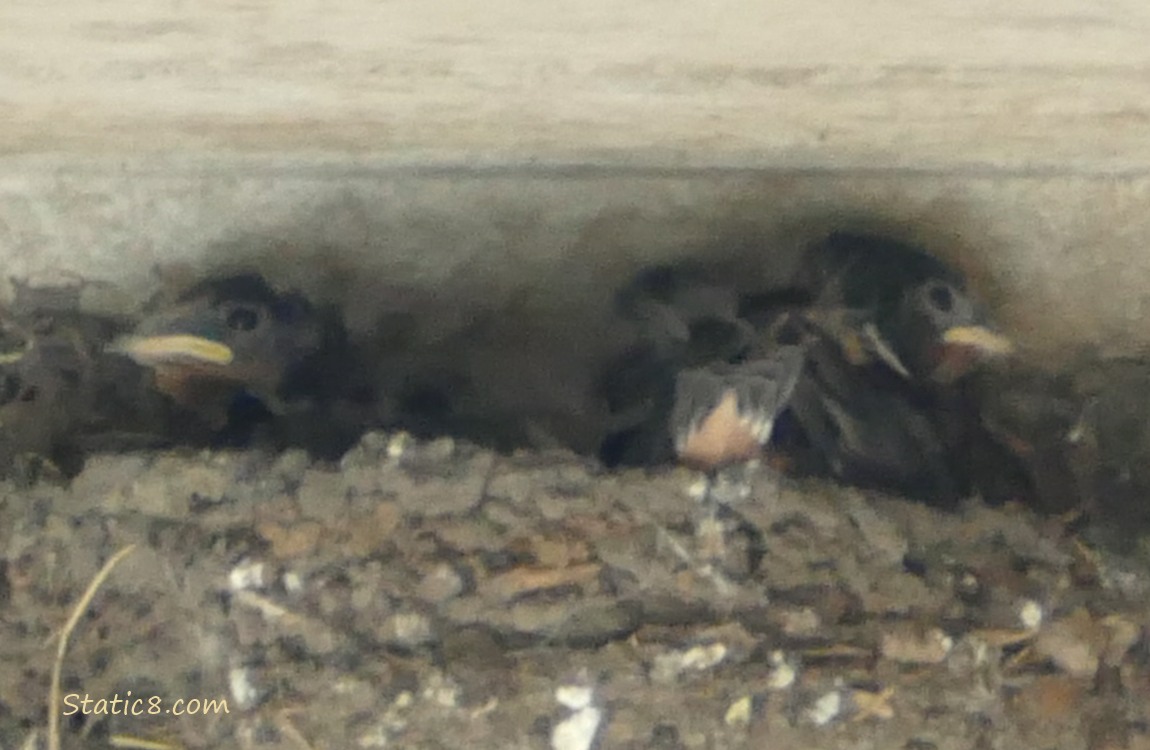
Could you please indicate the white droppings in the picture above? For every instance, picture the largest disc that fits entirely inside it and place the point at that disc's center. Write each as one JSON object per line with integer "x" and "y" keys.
{"x": 668, "y": 666}
{"x": 826, "y": 708}
{"x": 739, "y": 713}
{"x": 782, "y": 674}
{"x": 444, "y": 695}
{"x": 1030, "y": 614}
{"x": 398, "y": 445}
{"x": 441, "y": 689}
{"x": 395, "y": 720}
{"x": 243, "y": 691}
{"x": 699, "y": 489}
{"x": 577, "y": 731}
{"x": 293, "y": 582}
{"x": 574, "y": 697}
{"x": 247, "y": 575}
{"x": 762, "y": 429}
{"x": 731, "y": 491}
{"x": 704, "y": 657}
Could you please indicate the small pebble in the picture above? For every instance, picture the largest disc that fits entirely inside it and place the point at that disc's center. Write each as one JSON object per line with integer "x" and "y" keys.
{"x": 441, "y": 584}
{"x": 912, "y": 645}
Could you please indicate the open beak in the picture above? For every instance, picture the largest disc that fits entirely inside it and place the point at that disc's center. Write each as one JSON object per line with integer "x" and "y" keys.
{"x": 174, "y": 349}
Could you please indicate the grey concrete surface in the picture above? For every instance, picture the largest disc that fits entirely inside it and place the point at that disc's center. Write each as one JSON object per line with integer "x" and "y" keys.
{"x": 466, "y": 155}
{"x": 1061, "y": 258}
{"x": 837, "y": 83}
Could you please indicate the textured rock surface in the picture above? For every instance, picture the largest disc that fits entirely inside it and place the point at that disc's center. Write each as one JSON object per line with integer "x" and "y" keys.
{"x": 532, "y": 592}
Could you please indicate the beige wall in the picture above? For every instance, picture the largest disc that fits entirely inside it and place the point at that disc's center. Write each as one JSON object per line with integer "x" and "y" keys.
{"x": 438, "y": 144}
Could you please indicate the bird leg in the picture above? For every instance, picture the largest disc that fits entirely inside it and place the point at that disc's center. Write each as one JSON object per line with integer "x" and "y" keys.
{"x": 716, "y": 519}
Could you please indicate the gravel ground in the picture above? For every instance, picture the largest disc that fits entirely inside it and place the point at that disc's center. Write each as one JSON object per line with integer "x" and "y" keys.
{"x": 437, "y": 595}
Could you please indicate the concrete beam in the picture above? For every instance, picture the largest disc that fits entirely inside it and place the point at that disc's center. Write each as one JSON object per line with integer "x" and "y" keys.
{"x": 477, "y": 154}
{"x": 798, "y": 83}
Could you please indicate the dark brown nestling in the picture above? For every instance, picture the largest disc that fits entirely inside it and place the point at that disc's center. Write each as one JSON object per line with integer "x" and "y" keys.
{"x": 51, "y": 360}
{"x": 681, "y": 312}
{"x": 677, "y": 319}
{"x": 724, "y": 414}
{"x": 871, "y": 431}
{"x": 885, "y": 300}
{"x": 223, "y": 337}
{"x": 1031, "y": 413}
{"x": 1110, "y": 448}
{"x": 1082, "y": 434}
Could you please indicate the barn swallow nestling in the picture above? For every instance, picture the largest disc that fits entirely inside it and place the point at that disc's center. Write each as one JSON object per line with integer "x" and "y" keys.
{"x": 1110, "y": 448}
{"x": 1082, "y": 435}
{"x": 875, "y": 340}
{"x": 681, "y": 308}
{"x": 895, "y": 303}
{"x": 720, "y": 424}
{"x": 679, "y": 320}
{"x": 724, "y": 413}
{"x": 723, "y": 416}
{"x": 50, "y": 365}
{"x": 40, "y": 396}
{"x": 1030, "y": 414}
{"x": 224, "y": 338}
{"x": 867, "y": 428}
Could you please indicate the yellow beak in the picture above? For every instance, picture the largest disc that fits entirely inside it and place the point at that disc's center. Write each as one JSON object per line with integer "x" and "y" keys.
{"x": 983, "y": 339}
{"x": 157, "y": 350}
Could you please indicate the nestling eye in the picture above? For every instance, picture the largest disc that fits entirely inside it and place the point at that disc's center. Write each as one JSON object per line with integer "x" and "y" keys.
{"x": 242, "y": 319}
{"x": 941, "y": 298}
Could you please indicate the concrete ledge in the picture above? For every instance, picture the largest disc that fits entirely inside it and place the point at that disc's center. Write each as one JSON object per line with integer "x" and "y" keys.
{"x": 470, "y": 156}
{"x": 831, "y": 83}
{"x": 1061, "y": 257}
